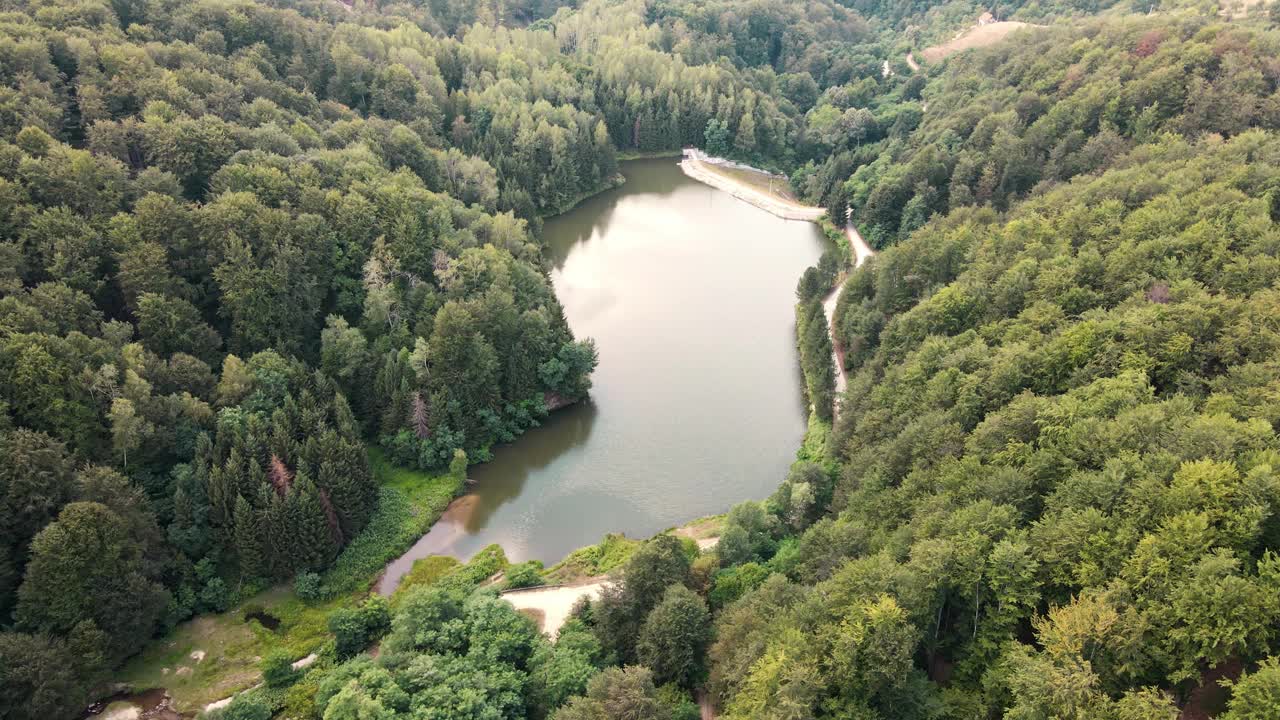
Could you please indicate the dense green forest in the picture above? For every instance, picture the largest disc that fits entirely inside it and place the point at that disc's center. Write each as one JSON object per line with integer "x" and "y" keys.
{"x": 243, "y": 244}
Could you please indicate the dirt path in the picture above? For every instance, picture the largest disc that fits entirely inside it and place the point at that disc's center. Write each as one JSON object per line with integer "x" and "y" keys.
{"x": 911, "y": 63}
{"x": 297, "y": 665}
{"x": 552, "y": 604}
{"x": 701, "y": 167}
{"x": 707, "y": 710}
{"x": 861, "y": 253}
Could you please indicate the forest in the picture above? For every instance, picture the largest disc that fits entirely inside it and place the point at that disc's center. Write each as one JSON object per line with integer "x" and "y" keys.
{"x": 251, "y": 250}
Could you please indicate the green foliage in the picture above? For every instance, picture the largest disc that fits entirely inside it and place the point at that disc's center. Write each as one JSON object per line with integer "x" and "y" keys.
{"x": 679, "y": 702}
{"x": 748, "y": 534}
{"x": 526, "y": 574}
{"x": 675, "y": 636}
{"x": 1050, "y": 430}
{"x": 734, "y": 582}
{"x": 620, "y": 611}
{"x": 277, "y": 669}
{"x": 354, "y": 629}
{"x": 594, "y": 560}
{"x": 1257, "y": 694}
{"x": 408, "y": 505}
{"x": 308, "y": 587}
{"x": 563, "y": 670}
{"x": 483, "y": 565}
{"x": 617, "y": 693}
{"x": 47, "y": 677}
{"x": 816, "y": 359}
{"x": 246, "y": 706}
{"x": 86, "y": 568}
{"x": 447, "y": 657}
{"x": 425, "y": 571}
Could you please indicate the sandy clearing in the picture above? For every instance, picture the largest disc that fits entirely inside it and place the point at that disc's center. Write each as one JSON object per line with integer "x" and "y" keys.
{"x": 975, "y": 36}
{"x": 911, "y": 63}
{"x": 554, "y": 602}
{"x": 122, "y": 711}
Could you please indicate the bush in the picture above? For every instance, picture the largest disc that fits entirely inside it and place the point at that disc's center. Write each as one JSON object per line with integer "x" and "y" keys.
{"x": 246, "y": 706}
{"x": 526, "y": 574}
{"x": 486, "y": 563}
{"x": 676, "y": 699}
{"x": 425, "y": 571}
{"x": 354, "y": 629}
{"x": 277, "y": 669}
{"x": 215, "y": 596}
{"x": 308, "y": 586}
{"x": 734, "y": 582}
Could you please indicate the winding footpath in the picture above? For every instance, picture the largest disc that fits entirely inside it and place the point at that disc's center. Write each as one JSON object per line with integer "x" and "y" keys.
{"x": 861, "y": 253}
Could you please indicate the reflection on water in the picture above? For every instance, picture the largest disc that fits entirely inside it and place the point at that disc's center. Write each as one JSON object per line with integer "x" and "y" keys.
{"x": 504, "y": 478}
{"x": 696, "y": 404}
{"x": 593, "y": 216}
{"x": 457, "y": 532}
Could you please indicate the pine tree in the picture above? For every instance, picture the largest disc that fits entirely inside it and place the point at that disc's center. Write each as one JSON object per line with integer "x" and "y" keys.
{"x": 280, "y": 476}
{"x": 421, "y": 417}
{"x": 222, "y": 491}
{"x": 343, "y": 419}
{"x": 248, "y": 542}
{"x": 276, "y": 532}
{"x": 312, "y": 545}
{"x": 745, "y": 140}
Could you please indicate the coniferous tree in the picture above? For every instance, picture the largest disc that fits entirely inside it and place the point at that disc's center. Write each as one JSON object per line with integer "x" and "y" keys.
{"x": 248, "y": 542}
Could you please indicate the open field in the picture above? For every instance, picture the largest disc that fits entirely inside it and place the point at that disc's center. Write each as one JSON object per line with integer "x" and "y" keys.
{"x": 975, "y": 37}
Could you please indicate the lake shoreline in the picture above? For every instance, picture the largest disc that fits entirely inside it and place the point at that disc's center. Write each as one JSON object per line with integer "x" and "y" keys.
{"x": 700, "y": 166}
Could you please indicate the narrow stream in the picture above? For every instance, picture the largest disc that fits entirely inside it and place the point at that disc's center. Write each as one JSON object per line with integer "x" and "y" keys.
{"x": 696, "y": 404}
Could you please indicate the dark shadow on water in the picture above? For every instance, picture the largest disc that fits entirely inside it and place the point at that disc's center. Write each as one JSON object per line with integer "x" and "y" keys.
{"x": 268, "y": 621}
{"x": 503, "y": 478}
{"x": 496, "y": 482}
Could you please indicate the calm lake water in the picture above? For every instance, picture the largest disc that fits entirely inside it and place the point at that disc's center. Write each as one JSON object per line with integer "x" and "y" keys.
{"x": 696, "y": 404}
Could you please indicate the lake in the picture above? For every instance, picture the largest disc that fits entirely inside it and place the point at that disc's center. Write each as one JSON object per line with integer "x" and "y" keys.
{"x": 696, "y": 405}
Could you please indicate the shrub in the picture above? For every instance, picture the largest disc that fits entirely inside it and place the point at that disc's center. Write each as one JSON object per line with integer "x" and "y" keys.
{"x": 246, "y": 706}
{"x": 277, "y": 669}
{"x": 215, "y": 596}
{"x": 526, "y": 574}
{"x": 425, "y": 572}
{"x": 734, "y": 582}
{"x": 308, "y": 586}
{"x": 354, "y": 629}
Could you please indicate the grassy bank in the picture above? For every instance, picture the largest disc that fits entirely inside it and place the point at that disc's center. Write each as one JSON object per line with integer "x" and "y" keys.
{"x": 652, "y": 155}
{"x": 839, "y": 238}
{"x": 410, "y": 503}
{"x": 213, "y": 656}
